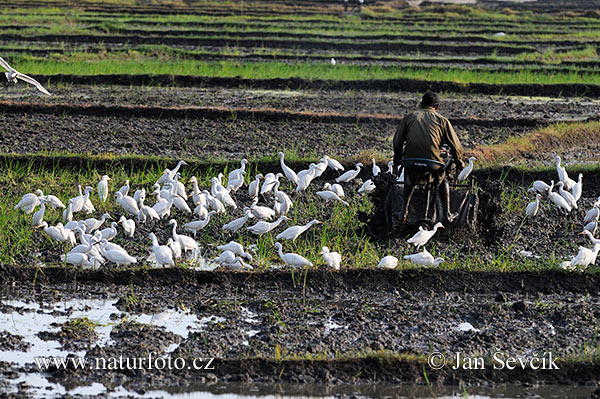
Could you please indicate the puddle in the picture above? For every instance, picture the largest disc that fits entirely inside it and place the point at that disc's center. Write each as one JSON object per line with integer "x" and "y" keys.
{"x": 40, "y": 387}
{"x": 33, "y": 319}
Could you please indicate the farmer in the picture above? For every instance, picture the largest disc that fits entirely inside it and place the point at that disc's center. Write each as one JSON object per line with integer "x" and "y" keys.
{"x": 421, "y": 135}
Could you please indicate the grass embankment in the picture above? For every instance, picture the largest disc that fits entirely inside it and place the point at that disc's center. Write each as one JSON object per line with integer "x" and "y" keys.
{"x": 551, "y": 139}
{"x": 303, "y": 70}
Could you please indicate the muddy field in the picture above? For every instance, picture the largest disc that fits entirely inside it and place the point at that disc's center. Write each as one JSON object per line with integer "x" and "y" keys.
{"x": 248, "y": 316}
{"x": 72, "y": 125}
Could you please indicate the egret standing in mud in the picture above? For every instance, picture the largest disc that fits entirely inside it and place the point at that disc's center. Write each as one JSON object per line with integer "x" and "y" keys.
{"x": 558, "y": 199}
{"x": 292, "y": 259}
{"x": 539, "y": 186}
{"x": 332, "y": 259}
{"x": 422, "y": 236}
{"x": 533, "y": 207}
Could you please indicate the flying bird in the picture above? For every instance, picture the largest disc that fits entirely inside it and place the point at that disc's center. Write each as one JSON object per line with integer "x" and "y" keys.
{"x": 12, "y": 75}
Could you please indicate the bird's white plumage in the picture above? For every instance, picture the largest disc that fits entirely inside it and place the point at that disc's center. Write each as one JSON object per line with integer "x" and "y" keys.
{"x": 292, "y": 259}
{"x": 462, "y": 176}
{"x": 388, "y": 262}
{"x": 422, "y": 236}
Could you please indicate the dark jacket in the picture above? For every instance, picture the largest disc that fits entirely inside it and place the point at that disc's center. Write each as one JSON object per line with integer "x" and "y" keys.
{"x": 421, "y": 135}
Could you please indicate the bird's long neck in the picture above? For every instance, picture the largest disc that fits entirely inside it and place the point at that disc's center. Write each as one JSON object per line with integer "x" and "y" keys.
{"x": 279, "y": 251}
{"x": 174, "y": 231}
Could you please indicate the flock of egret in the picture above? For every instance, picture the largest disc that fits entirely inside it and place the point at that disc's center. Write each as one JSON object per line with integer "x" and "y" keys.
{"x": 92, "y": 246}
{"x": 91, "y": 239}
{"x": 569, "y": 193}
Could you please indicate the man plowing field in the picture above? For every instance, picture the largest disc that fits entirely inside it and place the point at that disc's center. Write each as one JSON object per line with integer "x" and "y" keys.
{"x": 426, "y": 146}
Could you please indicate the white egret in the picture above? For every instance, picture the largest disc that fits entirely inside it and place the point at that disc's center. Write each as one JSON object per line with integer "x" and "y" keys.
{"x": 57, "y": 232}
{"x": 148, "y": 212}
{"x": 376, "y": 169}
{"x": 292, "y": 259}
{"x": 467, "y": 170}
{"x": 197, "y": 225}
{"x": 592, "y": 213}
{"x": 79, "y": 202}
{"x": 235, "y": 174}
{"x": 238, "y": 223}
{"x": 52, "y": 200}
{"x": 292, "y": 233}
{"x": 222, "y": 194}
{"x": 261, "y": 212}
{"x": 558, "y": 199}
{"x": 68, "y": 212}
{"x": 125, "y": 188}
{"x": 214, "y": 203}
{"x": 263, "y": 227}
{"x": 320, "y": 168}
{"x": 333, "y": 163}
{"x": 253, "y": 188}
{"x": 269, "y": 183}
{"x": 424, "y": 258}
{"x": 76, "y": 258}
{"x": 236, "y": 248}
{"x": 567, "y": 196}
{"x": 332, "y": 259}
{"x": 532, "y": 208}
{"x": 584, "y": 258}
{"x": 592, "y": 226}
{"x": 110, "y": 232}
{"x": 201, "y": 211}
{"x": 539, "y": 186}
{"x": 331, "y": 196}
{"x": 236, "y": 183}
{"x": 332, "y": 61}
{"x": 162, "y": 253}
{"x": 103, "y": 188}
{"x": 305, "y": 177}
{"x": 127, "y": 203}
{"x": 563, "y": 176}
{"x": 12, "y": 75}
{"x": 422, "y": 236}
{"x": 92, "y": 224}
{"x": 119, "y": 257}
{"x": 197, "y": 196}
{"x": 175, "y": 248}
{"x": 29, "y": 202}
{"x": 139, "y": 196}
{"x": 226, "y": 257}
{"x": 38, "y": 217}
{"x": 388, "y": 262}
{"x": 287, "y": 171}
{"x": 367, "y": 187}
{"x": 282, "y": 197}
{"x": 349, "y": 175}
{"x": 187, "y": 243}
{"x": 128, "y": 225}
{"x": 336, "y": 188}
{"x": 578, "y": 187}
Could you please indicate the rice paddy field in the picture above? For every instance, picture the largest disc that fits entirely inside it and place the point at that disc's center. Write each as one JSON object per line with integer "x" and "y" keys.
{"x": 137, "y": 86}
